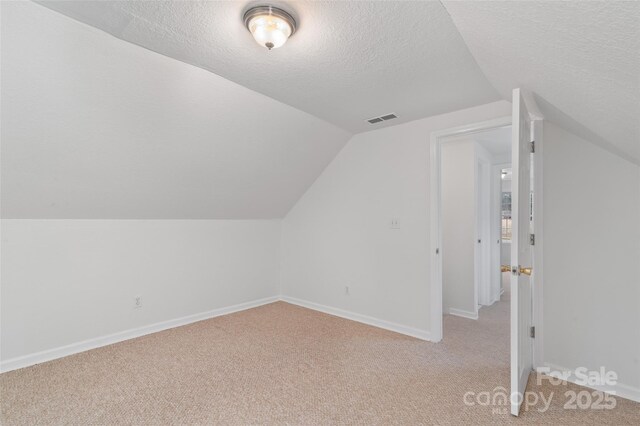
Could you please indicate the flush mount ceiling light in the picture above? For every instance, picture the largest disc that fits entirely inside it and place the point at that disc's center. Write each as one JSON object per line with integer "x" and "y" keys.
{"x": 270, "y": 26}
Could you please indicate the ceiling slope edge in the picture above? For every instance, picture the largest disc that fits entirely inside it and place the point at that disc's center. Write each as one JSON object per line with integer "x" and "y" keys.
{"x": 93, "y": 28}
{"x": 550, "y": 111}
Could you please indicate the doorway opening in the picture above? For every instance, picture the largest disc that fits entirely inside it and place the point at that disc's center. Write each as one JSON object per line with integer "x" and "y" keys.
{"x": 475, "y": 221}
{"x": 525, "y": 307}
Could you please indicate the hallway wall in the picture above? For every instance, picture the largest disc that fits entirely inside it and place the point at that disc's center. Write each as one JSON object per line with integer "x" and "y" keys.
{"x": 458, "y": 168}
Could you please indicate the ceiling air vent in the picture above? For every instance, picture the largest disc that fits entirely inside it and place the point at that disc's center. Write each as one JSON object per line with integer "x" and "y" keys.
{"x": 382, "y": 118}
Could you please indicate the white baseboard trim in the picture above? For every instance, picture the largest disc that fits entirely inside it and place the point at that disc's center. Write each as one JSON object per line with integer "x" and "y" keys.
{"x": 387, "y": 325}
{"x": 619, "y": 389}
{"x": 497, "y": 298}
{"x": 74, "y": 348}
{"x": 463, "y": 314}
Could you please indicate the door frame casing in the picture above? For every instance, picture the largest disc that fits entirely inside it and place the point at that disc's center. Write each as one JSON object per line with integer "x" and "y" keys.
{"x": 496, "y": 255}
{"x": 482, "y": 203}
{"x": 435, "y": 238}
{"x": 537, "y": 278}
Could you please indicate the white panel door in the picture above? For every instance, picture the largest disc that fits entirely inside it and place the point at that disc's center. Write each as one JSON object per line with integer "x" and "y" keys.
{"x": 521, "y": 253}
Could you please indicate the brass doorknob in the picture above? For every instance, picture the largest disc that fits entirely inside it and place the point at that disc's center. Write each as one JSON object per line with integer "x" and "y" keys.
{"x": 526, "y": 271}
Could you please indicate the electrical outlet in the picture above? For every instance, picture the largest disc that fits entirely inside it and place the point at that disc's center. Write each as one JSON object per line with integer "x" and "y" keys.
{"x": 137, "y": 302}
{"x": 346, "y": 290}
{"x": 394, "y": 223}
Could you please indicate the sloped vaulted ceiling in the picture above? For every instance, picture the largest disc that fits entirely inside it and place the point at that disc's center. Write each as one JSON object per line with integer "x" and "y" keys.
{"x": 93, "y": 127}
{"x": 96, "y": 128}
{"x": 348, "y": 60}
{"x": 581, "y": 59}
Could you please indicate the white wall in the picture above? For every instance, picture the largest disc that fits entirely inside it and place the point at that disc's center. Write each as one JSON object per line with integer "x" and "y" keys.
{"x": 338, "y": 233}
{"x": 65, "y": 281}
{"x": 97, "y": 128}
{"x": 469, "y": 278}
{"x": 458, "y": 226}
{"x": 591, "y": 257}
{"x": 483, "y": 253}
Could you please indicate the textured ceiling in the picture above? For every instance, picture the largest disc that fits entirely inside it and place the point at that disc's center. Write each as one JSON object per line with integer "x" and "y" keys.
{"x": 96, "y": 128}
{"x": 347, "y": 62}
{"x": 582, "y": 60}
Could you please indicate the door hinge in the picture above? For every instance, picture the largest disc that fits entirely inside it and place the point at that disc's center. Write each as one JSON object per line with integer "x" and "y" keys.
{"x": 532, "y": 146}
{"x": 532, "y": 332}
{"x": 532, "y": 239}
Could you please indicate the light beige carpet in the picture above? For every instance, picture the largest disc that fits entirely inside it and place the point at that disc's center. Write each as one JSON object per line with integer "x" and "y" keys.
{"x": 282, "y": 364}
